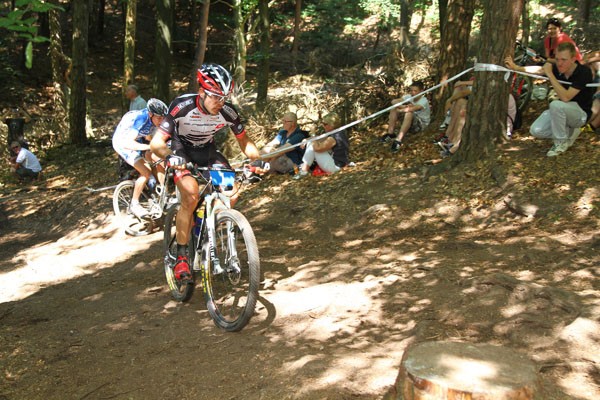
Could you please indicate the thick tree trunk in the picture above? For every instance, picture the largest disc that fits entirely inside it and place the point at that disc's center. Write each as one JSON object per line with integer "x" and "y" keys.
{"x": 453, "y": 48}
{"x": 93, "y": 22}
{"x": 129, "y": 48}
{"x": 239, "y": 57}
{"x": 77, "y": 104}
{"x": 263, "y": 64}
{"x": 296, "y": 42}
{"x": 164, "y": 34}
{"x": 200, "y": 46}
{"x": 405, "y": 17}
{"x": 61, "y": 65}
{"x": 487, "y": 107}
{"x": 443, "y": 14}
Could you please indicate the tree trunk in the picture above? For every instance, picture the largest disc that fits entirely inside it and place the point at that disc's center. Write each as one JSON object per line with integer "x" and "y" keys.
{"x": 200, "y": 47}
{"x": 129, "y": 49}
{"x": 443, "y": 13}
{"x": 60, "y": 67}
{"x": 77, "y": 104}
{"x": 162, "y": 63}
{"x": 101, "y": 7}
{"x": 405, "y": 17}
{"x": 453, "y": 48}
{"x": 583, "y": 18}
{"x": 296, "y": 42}
{"x": 526, "y": 23}
{"x": 239, "y": 57}
{"x": 93, "y": 22}
{"x": 487, "y": 107}
{"x": 263, "y": 63}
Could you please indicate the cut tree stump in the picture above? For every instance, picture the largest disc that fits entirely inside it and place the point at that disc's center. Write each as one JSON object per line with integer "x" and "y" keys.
{"x": 464, "y": 371}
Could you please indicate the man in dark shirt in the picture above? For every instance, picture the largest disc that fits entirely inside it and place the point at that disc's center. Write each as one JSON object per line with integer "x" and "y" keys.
{"x": 290, "y": 135}
{"x": 563, "y": 120}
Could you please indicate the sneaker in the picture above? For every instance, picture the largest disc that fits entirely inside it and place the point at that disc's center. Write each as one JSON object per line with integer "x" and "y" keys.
{"x": 587, "y": 128}
{"x": 558, "y": 149}
{"x": 574, "y": 136}
{"x": 138, "y": 210}
{"x": 300, "y": 175}
{"x": 440, "y": 138}
{"x": 386, "y": 138}
{"x": 396, "y": 146}
{"x": 445, "y": 153}
{"x": 182, "y": 269}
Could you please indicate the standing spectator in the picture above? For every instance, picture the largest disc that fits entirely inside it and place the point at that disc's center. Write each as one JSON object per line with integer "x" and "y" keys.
{"x": 329, "y": 153}
{"x": 555, "y": 37}
{"x": 25, "y": 164}
{"x": 416, "y": 116}
{"x": 290, "y": 135}
{"x": 136, "y": 102}
{"x": 564, "y": 118}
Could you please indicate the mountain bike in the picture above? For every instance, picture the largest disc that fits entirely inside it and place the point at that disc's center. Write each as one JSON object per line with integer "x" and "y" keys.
{"x": 521, "y": 85}
{"x": 155, "y": 200}
{"x": 222, "y": 251}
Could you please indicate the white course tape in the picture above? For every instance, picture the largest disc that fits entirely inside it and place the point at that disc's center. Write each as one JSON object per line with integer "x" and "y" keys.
{"x": 497, "y": 68}
{"x": 351, "y": 124}
{"x": 477, "y": 68}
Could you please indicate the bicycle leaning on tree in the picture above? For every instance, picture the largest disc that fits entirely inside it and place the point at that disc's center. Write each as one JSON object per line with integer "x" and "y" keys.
{"x": 222, "y": 248}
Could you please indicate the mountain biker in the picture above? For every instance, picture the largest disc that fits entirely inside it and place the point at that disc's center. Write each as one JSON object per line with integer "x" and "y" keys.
{"x": 191, "y": 124}
{"x": 131, "y": 141}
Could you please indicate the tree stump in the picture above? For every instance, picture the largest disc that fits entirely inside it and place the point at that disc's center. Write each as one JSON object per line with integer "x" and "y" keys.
{"x": 461, "y": 371}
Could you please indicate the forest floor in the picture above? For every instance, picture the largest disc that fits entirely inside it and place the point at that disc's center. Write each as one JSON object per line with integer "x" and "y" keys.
{"x": 357, "y": 266}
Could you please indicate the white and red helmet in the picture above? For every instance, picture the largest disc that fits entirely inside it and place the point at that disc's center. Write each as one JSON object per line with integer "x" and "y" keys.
{"x": 215, "y": 79}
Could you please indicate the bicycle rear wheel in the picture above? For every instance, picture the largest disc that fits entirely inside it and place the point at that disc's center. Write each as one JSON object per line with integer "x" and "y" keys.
{"x": 180, "y": 292}
{"x": 522, "y": 88}
{"x": 231, "y": 295}
{"x": 132, "y": 225}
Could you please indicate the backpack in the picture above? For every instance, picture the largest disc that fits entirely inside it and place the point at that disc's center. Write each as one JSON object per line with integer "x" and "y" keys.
{"x": 518, "y": 120}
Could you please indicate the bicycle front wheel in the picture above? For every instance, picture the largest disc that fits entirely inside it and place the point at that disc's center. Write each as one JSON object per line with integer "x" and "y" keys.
{"x": 231, "y": 286}
{"x": 132, "y": 225}
{"x": 180, "y": 292}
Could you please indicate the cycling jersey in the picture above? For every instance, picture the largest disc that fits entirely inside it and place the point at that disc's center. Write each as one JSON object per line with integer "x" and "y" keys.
{"x": 188, "y": 124}
{"x": 135, "y": 125}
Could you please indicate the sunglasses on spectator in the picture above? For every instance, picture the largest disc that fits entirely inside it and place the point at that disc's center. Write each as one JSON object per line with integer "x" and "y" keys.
{"x": 285, "y": 120}
{"x": 216, "y": 97}
{"x": 15, "y": 147}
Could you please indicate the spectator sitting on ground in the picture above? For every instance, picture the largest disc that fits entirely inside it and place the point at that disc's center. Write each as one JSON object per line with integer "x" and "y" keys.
{"x": 564, "y": 118}
{"x": 457, "y": 105}
{"x": 291, "y": 134}
{"x": 555, "y": 37}
{"x": 330, "y": 153}
{"x": 25, "y": 164}
{"x": 136, "y": 102}
{"x": 416, "y": 116}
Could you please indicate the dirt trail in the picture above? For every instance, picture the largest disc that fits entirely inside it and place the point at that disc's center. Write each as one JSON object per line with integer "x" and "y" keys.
{"x": 349, "y": 281}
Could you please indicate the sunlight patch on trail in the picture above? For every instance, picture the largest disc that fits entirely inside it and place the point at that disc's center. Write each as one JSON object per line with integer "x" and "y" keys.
{"x": 80, "y": 252}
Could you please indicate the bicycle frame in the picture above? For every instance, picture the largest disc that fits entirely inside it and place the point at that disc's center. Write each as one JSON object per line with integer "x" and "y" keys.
{"x": 213, "y": 202}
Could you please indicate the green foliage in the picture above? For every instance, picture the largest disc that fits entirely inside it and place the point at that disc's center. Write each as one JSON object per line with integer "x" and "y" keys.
{"x": 20, "y": 21}
{"x": 327, "y": 20}
{"x": 387, "y": 11}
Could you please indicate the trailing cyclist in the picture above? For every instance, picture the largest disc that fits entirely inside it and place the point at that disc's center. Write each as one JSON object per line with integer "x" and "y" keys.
{"x": 131, "y": 141}
{"x": 191, "y": 124}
